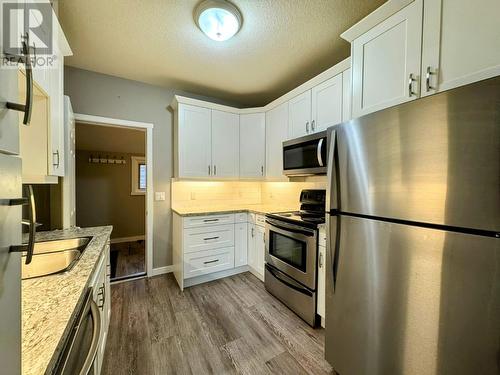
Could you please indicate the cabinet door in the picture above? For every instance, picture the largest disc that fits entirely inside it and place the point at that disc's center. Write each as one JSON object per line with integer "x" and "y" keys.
{"x": 260, "y": 249}
{"x": 225, "y": 144}
{"x": 194, "y": 141}
{"x": 460, "y": 43}
{"x": 276, "y": 133}
{"x": 299, "y": 115}
{"x": 386, "y": 62}
{"x": 321, "y": 281}
{"x": 9, "y": 119}
{"x": 327, "y": 104}
{"x": 56, "y": 124}
{"x": 240, "y": 244}
{"x": 251, "y": 254}
{"x": 346, "y": 95}
{"x": 252, "y": 145}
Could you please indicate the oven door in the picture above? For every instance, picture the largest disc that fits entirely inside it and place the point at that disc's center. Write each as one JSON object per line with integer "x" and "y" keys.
{"x": 292, "y": 249}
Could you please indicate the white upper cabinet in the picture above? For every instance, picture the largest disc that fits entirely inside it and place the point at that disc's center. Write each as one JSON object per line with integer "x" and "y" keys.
{"x": 56, "y": 90}
{"x": 346, "y": 95}
{"x": 225, "y": 144}
{"x": 461, "y": 43}
{"x": 327, "y": 104}
{"x": 252, "y": 145}
{"x": 386, "y": 62}
{"x": 194, "y": 141}
{"x": 276, "y": 133}
{"x": 299, "y": 115}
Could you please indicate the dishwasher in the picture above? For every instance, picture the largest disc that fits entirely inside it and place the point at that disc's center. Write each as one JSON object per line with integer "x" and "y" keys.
{"x": 81, "y": 346}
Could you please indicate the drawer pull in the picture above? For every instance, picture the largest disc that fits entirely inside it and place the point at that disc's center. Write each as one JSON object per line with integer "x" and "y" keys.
{"x": 210, "y": 238}
{"x": 211, "y": 261}
{"x": 210, "y": 220}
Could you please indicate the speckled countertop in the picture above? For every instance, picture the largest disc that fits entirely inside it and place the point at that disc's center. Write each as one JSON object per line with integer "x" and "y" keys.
{"x": 225, "y": 209}
{"x": 50, "y": 304}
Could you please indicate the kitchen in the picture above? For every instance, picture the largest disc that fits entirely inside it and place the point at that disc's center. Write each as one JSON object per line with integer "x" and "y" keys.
{"x": 344, "y": 221}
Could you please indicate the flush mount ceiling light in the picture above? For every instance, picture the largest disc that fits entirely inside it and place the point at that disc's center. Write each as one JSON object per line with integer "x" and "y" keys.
{"x": 218, "y": 19}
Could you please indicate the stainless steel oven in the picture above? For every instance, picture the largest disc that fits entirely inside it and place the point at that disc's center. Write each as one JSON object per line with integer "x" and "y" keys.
{"x": 292, "y": 249}
{"x": 305, "y": 155}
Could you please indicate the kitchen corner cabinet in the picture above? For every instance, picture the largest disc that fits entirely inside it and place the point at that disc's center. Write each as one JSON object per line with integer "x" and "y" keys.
{"x": 207, "y": 143}
{"x": 461, "y": 43}
{"x": 225, "y": 144}
{"x": 252, "y": 145}
{"x": 316, "y": 109}
{"x": 386, "y": 62}
{"x": 276, "y": 133}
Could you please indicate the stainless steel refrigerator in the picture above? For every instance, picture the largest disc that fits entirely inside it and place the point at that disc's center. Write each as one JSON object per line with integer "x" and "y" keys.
{"x": 413, "y": 276}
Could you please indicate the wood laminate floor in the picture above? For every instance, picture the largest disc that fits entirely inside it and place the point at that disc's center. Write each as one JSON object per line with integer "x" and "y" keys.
{"x": 128, "y": 258}
{"x": 229, "y": 326}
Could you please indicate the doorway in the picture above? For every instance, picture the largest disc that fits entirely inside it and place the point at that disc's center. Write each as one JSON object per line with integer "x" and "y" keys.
{"x": 114, "y": 187}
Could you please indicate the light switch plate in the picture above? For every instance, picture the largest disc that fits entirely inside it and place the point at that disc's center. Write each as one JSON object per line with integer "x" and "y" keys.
{"x": 159, "y": 195}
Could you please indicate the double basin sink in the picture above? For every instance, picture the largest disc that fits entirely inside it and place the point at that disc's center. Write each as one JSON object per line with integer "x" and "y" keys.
{"x": 51, "y": 257}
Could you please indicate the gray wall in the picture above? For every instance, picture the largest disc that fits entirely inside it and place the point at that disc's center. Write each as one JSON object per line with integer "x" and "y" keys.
{"x": 102, "y": 95}
{"x": 103, "y": 195}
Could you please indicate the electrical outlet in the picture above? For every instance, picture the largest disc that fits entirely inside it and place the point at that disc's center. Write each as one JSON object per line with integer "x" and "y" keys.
{"x": 159, "y": 196}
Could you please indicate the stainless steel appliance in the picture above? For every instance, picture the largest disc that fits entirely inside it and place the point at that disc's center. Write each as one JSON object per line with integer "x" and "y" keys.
{"x": 291, "y": 254}
{"x": 305, "y": 155}
{"x": 413, "y": 276}
{"x": 81, "y": 347}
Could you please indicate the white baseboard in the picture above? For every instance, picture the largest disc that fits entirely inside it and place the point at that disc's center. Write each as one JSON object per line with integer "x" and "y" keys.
{"x": 257, "y": 274}
{"x": 161, "y": 271}
{"x": 128, "y": 239}
{"x": 214, "y": 276}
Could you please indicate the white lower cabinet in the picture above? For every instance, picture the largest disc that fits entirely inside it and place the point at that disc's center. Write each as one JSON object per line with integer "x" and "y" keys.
{"x": 206, "y": 250}
{"x": 102, "y": 297}
{"x": 240, "y": 244}
{"x": 256, "y": 245}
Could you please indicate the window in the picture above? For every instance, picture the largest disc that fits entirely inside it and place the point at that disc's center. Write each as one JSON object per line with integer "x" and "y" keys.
{"x": 139, "y": 175}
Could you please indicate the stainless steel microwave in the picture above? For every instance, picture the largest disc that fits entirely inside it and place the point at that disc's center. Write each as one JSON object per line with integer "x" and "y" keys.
{"x": 305, "y": 156}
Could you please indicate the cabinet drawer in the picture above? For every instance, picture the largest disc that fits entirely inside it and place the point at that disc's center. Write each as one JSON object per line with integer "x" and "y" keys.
{"x": 208, "y": 261}
{"x": 241, "y": 217}
{"x": 211, "y": 237}
{"x": 207, "y": 220}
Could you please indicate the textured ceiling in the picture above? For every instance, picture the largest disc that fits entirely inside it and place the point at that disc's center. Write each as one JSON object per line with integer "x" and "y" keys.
{"x": 282, "y": 44}
{"x": 110, "y": 139}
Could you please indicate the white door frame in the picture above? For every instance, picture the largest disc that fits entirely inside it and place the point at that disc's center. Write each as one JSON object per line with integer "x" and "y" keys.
{"x": 113, "y": 122}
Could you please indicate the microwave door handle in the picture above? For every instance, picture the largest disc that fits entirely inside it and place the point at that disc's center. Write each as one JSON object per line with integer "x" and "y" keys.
{"x": 318, "y": 152}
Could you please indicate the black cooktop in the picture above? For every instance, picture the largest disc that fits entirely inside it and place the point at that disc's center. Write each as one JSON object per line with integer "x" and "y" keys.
{"x": 311, "y": 213}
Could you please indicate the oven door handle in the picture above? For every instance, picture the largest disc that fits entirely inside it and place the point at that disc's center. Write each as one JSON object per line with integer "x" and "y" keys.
{"x": 294, "y": 286}
{"x": 290, "y": 228}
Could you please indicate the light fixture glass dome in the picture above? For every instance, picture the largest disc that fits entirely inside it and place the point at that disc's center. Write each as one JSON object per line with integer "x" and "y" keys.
{"x": 218, "y": 19}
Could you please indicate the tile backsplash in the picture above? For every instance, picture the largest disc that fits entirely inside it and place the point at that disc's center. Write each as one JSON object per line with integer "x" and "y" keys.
{"x": 205, "y": 193}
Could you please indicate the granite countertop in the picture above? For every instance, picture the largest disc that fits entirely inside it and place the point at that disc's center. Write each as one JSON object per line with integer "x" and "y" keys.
{"x": 225, "y": 209}
{"x": 50, "y": 303}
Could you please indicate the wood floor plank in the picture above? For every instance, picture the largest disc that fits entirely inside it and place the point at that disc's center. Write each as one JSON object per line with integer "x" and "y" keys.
{"x": 229, "y": 326}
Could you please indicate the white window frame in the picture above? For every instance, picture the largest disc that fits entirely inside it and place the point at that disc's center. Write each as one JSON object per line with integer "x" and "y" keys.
{"x": 135, "y": 161}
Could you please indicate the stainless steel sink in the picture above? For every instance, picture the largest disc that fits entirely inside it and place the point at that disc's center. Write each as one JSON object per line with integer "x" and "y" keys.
{"x": 50, "y": 257}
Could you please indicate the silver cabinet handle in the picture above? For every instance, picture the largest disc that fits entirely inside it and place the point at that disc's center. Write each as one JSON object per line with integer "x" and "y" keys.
{"x": 313, "y": 125}
{"x": 102, "y": 293}
{"x": 320, "y": 260}
{"x": 262, "y": 170}
{"x": 210, "y": 220}
{"x": 253, "y": 232}
{"x": 307, "y": 127}
{"x": 411, "y": 79}
{"x": 27, "y": 108}
{"x": 428, "y": 74}
{"x": 55, "y": 154}
{"x": 209, "y": 170}
{"x": 215, "y": 170}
